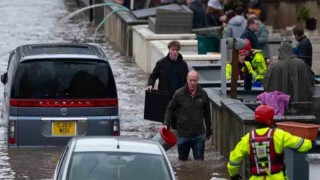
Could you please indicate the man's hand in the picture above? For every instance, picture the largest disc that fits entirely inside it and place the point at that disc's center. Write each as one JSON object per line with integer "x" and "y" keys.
{"x": 149, "y": 88}
{"x": 236, "y": 177}
{"x": 168, "y": 127}
{"x": 165, "y": 126}
{"x": 208, "y": 134}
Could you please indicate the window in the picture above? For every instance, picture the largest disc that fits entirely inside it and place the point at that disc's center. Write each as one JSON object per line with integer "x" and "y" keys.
{"x": 63, "y": 79}
{"x": 122, "y": 166}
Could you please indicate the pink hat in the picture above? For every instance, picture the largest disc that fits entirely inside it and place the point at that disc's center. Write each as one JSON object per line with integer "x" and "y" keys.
{"x": 242, "y": 51}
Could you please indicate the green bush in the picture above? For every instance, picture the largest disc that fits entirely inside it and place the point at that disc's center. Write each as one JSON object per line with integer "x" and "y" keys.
{"x": 303, "y": 13}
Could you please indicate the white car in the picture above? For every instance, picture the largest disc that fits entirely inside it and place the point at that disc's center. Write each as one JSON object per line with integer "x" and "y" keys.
{"x": 113, "y": 158}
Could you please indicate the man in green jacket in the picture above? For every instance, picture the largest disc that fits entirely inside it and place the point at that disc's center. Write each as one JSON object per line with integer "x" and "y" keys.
{"x": 191, "y": 105}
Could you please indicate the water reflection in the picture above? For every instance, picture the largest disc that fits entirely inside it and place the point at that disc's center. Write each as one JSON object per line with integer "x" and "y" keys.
{"x": 35, "y": 21}
{"x": 6, "y": 171}
{"x": 33, "y": 162}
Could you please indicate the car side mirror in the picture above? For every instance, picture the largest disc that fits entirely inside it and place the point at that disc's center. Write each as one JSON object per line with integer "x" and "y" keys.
{"x": 4, "y": 78}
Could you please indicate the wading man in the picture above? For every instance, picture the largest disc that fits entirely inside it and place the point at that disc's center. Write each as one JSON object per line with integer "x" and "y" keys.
{"x": 192, "y": 108}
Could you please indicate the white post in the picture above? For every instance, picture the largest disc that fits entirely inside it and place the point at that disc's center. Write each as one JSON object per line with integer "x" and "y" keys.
{"x": 224, "y": 58}
{"x": 131, "y": 4}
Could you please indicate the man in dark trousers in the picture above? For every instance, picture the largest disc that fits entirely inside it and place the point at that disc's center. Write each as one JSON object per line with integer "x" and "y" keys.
{"x": 249, "y": 32}
{"x": 304, "y": 48}
{"x": 191, "y": 105}
{"x": 171, "y": 70}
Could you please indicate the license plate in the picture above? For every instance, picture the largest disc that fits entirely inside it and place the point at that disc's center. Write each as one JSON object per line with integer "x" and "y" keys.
{"x": 64, "y": 128}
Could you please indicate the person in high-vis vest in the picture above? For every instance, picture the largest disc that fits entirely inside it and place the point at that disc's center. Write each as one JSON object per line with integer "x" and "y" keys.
{"x": 243, "y": 67}
{"x": 259, "y": 64}
{"x": 257, "y": 60}
{"x": 265, "y": 146}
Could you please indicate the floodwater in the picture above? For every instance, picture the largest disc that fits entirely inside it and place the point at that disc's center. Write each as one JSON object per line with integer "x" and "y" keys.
{"x": 34, "y": 21}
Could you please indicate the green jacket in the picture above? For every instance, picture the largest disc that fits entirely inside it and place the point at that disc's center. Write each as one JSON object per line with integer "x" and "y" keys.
{"x": 190, "y": 112}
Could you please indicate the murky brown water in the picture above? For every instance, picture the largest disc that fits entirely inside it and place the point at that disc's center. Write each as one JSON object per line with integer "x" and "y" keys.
{"x": 34, "y": 21}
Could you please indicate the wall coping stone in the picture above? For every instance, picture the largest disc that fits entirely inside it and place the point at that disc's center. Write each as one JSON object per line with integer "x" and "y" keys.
{"x": 313, "y": 158}
{"x": 240, "y": 111}
{"x": 128, "y": 17}
{"x": 246, "y": 116}
{"x": 214, "y": 96}
{"x": 144, "y": 31}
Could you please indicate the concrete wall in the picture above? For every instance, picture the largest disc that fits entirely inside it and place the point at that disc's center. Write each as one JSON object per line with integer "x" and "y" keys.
{"x": 118, "y": 29}
{"x": 141, "y": 39}
{"x": 158, "y": 49}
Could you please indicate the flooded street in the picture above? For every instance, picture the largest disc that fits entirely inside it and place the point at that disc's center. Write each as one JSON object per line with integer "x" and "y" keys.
{"x": 34, "y": 21}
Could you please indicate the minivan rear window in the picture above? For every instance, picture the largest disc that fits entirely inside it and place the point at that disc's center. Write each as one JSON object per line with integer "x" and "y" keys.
{"x": 63, "y": 79}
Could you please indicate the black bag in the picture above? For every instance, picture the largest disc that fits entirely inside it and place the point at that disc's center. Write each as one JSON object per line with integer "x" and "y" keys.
{"x": 155, "y": 105}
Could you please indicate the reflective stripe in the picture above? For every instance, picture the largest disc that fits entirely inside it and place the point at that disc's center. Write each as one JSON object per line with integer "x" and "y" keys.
{"x": 267, "y": 143}
{"x": 234, "y": 163}
{"x": 254, "y": 152}
{"x": 68, "y": 118}
{"x": 299, "y": 144}
{"x": 269, "y": 133}
{"x": 252, "y": 134}
{"x": 268, "y": 146}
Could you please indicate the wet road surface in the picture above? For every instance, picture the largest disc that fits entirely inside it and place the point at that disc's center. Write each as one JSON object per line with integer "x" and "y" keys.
{"x": 34, "y": 21}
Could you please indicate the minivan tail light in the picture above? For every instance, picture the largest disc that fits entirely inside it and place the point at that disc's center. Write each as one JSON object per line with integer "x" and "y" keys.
{"x": 64, "y": 102}
{"x": 115, "y": 128}
{"x": 12, "y": 138}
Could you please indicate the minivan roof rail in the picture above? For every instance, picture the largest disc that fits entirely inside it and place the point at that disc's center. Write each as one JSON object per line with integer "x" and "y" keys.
{"x": 58, "y": 45}
{"x": 60, "y": 48}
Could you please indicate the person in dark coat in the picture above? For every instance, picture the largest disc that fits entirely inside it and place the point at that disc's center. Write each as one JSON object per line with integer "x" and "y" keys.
{"x": 304, "y": 48}
{"x": 126, "y": 3}
{"x": 199, "y": 19}
{"x": 290, "y": 75}
{"x": 214, "y": 11}
{"x": 263, "y": 37}
{"x": 171, "y": 70}
{"x": 249, "y": 32}
{"x": 191, "y": 105}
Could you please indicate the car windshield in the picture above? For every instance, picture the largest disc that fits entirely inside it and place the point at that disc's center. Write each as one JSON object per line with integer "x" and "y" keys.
{"x": 67, "y": 78}
{"x": 117, "y": 166}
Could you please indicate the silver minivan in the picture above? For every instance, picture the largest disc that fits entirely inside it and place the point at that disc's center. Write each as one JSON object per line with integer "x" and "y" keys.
{"x": 57, "y": 91}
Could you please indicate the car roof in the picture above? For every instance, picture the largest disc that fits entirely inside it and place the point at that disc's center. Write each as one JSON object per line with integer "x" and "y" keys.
{"x": 116, "y": 144}
{"x": 61, "y": 48}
